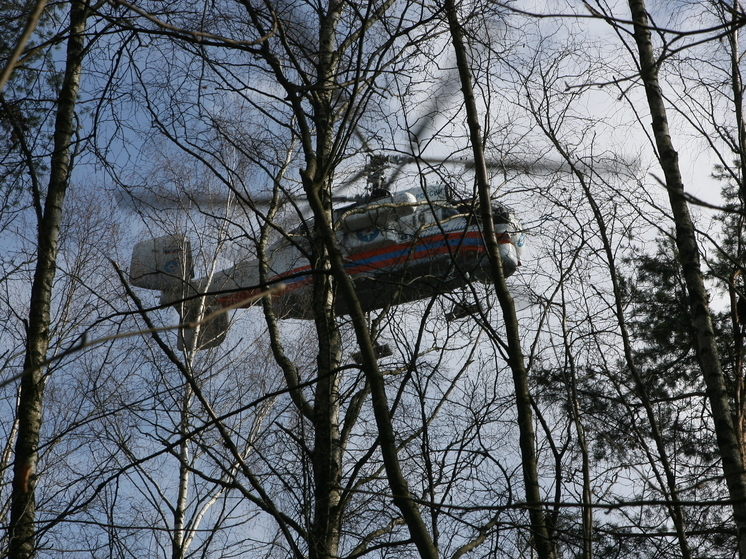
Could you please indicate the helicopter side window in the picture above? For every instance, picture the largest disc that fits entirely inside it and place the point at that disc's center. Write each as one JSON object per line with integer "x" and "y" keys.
{"x": 449, "y": 212}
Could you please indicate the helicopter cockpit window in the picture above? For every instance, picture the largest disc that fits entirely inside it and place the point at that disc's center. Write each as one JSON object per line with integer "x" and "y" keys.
{"x": 500, "y": 214}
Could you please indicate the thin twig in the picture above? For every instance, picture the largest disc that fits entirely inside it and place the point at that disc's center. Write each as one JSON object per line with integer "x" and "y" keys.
{"x": 83, "y": 343}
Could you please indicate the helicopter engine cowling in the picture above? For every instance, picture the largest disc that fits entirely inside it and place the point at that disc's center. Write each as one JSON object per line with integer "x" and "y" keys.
{"x": 378, "y": 213}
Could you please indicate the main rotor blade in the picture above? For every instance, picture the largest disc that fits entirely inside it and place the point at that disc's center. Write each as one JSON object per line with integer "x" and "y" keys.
{"x": 170, "y": 200}
{"x": 161, "y": 200}
{"x": 183, "y": 200}
{"x": 526, "y": 166}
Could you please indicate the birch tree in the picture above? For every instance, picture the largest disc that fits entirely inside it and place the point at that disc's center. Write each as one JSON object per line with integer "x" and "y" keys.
{"x": 22, "y": 528}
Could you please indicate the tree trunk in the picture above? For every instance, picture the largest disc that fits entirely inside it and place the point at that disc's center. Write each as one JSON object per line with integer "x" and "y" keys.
{"x": 540, "y": 532}
{"x": 738, "y": 337}
{"x": 178, "y": 549}
{"x": 327, "y": 452}
{"x": 23, "y": 502}
{"x": 686, "y": 242}
{"x": 386, "y": 437}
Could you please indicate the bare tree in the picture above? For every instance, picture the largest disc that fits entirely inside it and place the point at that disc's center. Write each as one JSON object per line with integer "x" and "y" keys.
{"x": 541, "y": 534}
{"x": 728, "y": 443}
{"x": 22, "y": 530}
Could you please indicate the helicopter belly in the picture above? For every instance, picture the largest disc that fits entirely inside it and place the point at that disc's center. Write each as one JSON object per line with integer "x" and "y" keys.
{"x": 432, "y": 265}
{"x": 407, "y": 271}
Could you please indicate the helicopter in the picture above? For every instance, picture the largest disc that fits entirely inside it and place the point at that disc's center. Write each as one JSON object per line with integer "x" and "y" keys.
{"x": 397, "y": 247}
